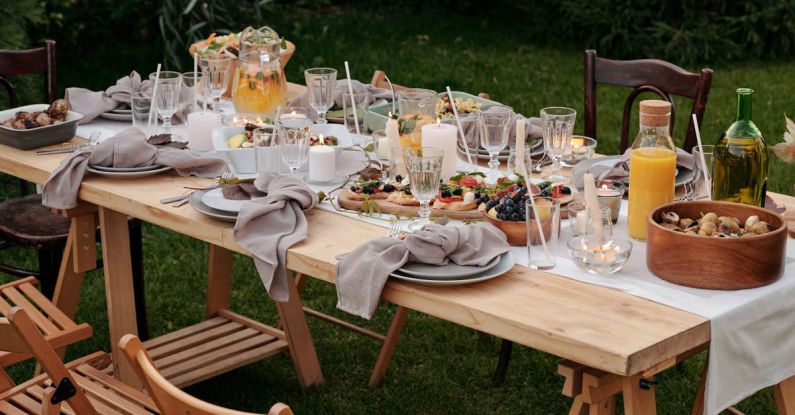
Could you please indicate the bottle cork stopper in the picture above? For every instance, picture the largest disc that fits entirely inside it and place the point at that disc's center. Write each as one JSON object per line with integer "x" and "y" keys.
{"x": 655, "y": 112}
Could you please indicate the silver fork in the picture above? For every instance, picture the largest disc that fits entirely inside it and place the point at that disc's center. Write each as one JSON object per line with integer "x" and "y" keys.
{"x": 183, "y": 199}
{"x": 394, "y": 232}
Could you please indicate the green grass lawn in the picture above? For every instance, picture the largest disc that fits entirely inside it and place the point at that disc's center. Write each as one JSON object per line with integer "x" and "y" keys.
{"x": 438, "y": 367}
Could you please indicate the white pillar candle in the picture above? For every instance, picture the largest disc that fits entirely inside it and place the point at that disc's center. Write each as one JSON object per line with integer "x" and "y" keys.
{"x": 382, "y": 148}
{"x": 200, "y": 130}
{"x": 393, "y": 135}
{"x": 322, "y": 162}
{"x": 582, "y": 222}
{"x": 520, "y": 136}
{"x": 444, "y": 137}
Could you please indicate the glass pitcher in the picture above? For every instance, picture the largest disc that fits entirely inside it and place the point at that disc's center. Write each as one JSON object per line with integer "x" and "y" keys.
{"x": 417, "y": 108}
{"x": 259, "y": 86}
{"x": 263, "y": 40}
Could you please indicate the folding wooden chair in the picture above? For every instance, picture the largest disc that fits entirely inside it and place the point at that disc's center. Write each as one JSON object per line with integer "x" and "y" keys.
{"x": 56, "y": 327}
{"x": 83, "y": 384}
{"x": 170, "y": 399}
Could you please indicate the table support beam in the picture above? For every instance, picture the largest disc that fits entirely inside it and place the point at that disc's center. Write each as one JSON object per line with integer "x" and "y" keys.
{"x": 302, "y": 349}
{"x": 219, "y": 280}
{"x": 389, "y": 346}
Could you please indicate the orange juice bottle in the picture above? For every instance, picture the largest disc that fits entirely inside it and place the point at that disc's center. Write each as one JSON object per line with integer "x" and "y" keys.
{"x": 652, "y": 166}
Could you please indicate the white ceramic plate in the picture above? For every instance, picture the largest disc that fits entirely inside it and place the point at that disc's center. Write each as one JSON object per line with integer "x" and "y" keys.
{"x": 445, "y": 272}
{"x": 683, "y": 175}
{"x": 504, "y": 265}
{"x": 126, "y": 169}
{"x": 128, "y": 174}
{"x": 215, "y": 199}
{"x": 195, "y": 200}
{"x": 113, "y": 116}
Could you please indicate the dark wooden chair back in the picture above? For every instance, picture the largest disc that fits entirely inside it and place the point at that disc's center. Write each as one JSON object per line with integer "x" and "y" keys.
{"x": 29, "y": 62}
{"x": 645, "y": 75}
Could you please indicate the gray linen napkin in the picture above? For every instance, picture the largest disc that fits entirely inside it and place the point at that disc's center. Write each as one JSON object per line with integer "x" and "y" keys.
{"x": 341, "y": 87}
{"x": 92, "y": 103}
{"x": 619, "y": 171}
{"x": 128, "y": 148}
{"x": 268, "y": 226}
{"x": 362, "y": 274}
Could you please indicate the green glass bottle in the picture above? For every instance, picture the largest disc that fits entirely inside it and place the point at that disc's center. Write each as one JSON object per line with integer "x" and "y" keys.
{"x": 740, "y": 168}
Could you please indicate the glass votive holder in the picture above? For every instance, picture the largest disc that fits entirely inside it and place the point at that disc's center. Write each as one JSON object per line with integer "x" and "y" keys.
{"x": 245, "y": 119}
{"x": 578, "y": 217}
{"x": 601, "y": 226}
{"x": 581, "y": 148}
{"x": 610, "y": 193}
{"x": 542, "y": 227}
{"x": 599, "y": 257}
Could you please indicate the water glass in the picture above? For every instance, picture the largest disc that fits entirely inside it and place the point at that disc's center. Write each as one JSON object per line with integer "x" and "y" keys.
{"x": 267, "y": 156}
{"x": 601, "y": 226}
{"x": 383, "y": 151}
{"x": 191, "y": 86}
{"x": 294, "y": 117}
{"x": 494, "y": 125}
{"x": 294, "y": 144}
{"x": 167, "y": 97}
{"x": 703, "y": 179}
{"x": 424, "y": 167}
{"x": 558, "y": 125}
{"x": 140, "y": 104}
{"x": 543, "y": 227}
{"x": 320, "y": 84}
{"x": 215, "y": 72}
{"x": 360, "y": 101}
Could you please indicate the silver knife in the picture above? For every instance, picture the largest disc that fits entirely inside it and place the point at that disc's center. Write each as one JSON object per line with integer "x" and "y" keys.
{"x": 61, "y": 150}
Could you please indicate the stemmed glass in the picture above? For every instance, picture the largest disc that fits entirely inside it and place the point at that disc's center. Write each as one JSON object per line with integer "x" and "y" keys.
{"x": 294, "y": 130}
{"x": 320, "y": 83}
{"x": 558, "y": 125}
{"x": 425, "y": 168}
{"x": 215, "y": 72}
{"x": 167, "y": 98}
{"x": 494, "y": 124}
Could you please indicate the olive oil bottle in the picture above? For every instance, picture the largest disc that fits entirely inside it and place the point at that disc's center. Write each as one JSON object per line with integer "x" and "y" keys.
{"x": 740, "y": 168}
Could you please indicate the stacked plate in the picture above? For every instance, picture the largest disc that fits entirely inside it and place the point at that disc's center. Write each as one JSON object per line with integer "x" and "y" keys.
{"x": 128, "y": 172}
{"x": 213, "y": 204}
{"x": 118, "y": 114}
{"x": 454, "y": 274}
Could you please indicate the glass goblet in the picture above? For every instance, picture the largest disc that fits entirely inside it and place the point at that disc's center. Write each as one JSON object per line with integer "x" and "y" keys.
{"x": 320, "y": 84}
{"x": 558, "y": 125}
{"x": 424, "y": 166}
{"x": 494, "y": 125}
{"x": 215, "y": 73}
{"x": 167, "y": 97}
{"x": 294, "y": 145}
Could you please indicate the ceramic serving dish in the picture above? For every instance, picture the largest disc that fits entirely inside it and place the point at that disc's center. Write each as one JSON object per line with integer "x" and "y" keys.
{"x": 376, "y": 116}
{"x": 40, "y": 136}
{"x": 712, "y": 262}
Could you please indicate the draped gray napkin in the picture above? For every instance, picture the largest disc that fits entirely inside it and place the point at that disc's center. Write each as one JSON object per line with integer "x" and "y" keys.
{"x": 128, "y": 148}
{"x": 341, "y": 87}
{"x": 533, "y": 129}
{"x": 268, "y": 226}
{"x": 92, "y": 103}
{"x": 362, "y": 274}
{"x": 619, "y": 171}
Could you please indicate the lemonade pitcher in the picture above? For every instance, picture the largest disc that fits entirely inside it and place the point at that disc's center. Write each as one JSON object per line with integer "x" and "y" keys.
{"x": 652, "y": 166}
{"x": 417, "y": 108}
{"x": 259, "y": 86}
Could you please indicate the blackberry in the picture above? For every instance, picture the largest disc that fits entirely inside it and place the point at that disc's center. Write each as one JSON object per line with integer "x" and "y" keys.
{"x": 388, "y": 188}
{"x": 446, "y": 193}
{"x": 457, "y": 191}
{"x": 367, "y": 190}
{"x": 565, "y": 190}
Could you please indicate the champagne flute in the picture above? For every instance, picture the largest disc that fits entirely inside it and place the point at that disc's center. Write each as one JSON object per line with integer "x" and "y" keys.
{"x": 425, "y": 169}
{"x": 215, "y": 72}
{"x": 320, "y": 83}
{"x": 558, "y": 125}
{"x": 494, "y": 124}
{"x": 167, "y": 99}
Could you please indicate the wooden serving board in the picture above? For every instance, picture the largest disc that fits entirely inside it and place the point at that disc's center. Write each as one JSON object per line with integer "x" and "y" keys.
{"x": 348, "y": 202}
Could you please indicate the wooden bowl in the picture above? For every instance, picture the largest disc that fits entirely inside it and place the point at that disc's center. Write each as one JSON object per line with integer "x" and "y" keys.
{"x": 516, "y": 232}
{"x": 711, "y": 262}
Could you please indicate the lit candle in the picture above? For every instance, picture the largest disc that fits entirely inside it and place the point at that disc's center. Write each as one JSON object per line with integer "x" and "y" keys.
{"x": 444, "y": 137}
{"x": 200, "y": 130}
{"x": 393, "y": 135}
{"x": 611, "y": 197}
{"x": 293, "y": 120}
{"x": 322, "y": 162}
{"x": 520, "y": 137}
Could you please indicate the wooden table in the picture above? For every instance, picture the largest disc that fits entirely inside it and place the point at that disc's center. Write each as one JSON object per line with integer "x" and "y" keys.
{"x": 615, "y": 339}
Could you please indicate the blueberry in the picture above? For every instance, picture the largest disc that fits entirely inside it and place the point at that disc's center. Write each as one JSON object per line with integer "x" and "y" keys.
{"x": 515, "y": 217}
{"x": 457, "y": 191}
{"x": 408, "y": 192}
{"x": 353, "y": 188}
{"x": 477, "y": 195}
{"x": 446, "y": 193}
{"x": 389, "y": 188}
{"x": 508, "y": 209}
{"x": 484, "y": 199}
{"x": 500, "y": 208}
{"x": 367, "y": 190}
{"x": 509, "y": 202}
{"x": 565, "y": 190}
{"x": 399, "y": 178}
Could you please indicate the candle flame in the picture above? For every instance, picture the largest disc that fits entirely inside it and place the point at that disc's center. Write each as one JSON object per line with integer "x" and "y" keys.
{"x": 438, "y": 122}
{"x": 320, "y": 139}
{"x": 604, "y": 187}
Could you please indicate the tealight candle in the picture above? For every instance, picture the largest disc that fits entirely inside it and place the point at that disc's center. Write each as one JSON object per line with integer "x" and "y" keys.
{"x": 322, "y": 162}
{"x": 610, "y": 194}
{"x": 293, "y": 120}
{"x": 200, "y": 130}
{"x": 444, "y": 137}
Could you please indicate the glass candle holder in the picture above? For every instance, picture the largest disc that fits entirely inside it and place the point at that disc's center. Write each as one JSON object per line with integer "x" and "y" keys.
{"x": 578, "y": 217}
{"x": 581, "y": 148}
{"x": 610, "y": 193}
{"x": 599, "y": 257}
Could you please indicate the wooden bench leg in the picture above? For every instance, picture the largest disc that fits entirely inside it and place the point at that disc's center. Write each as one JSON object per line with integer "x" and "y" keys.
{"x": 389, "y": 346}
{"x": 296, "y": 330}
{"x": 219, "y": 280}
{"x": 698, "y": 405}
{"x": 784, "y": 394}
{"x": 6, "y": 382}
{"x": 638, "y": 401}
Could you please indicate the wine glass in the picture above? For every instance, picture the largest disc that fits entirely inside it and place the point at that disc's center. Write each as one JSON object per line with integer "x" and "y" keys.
{"x": 494, "y": 124}
{"x": 167, "y": 99}
{"x": 215, "y": 72}
{"x": 294, "y": 145}
{"x": 558, "y": 125}
{"x": 320, "y": 83}
{"x": 425, "y": 169}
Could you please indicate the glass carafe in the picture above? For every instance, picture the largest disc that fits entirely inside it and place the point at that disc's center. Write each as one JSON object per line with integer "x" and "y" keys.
{"x": 263, "y": 40}
{"x": 417, "y": 108}
{"x": 740, "y": 158}
{"x": 259, "y": 86}
{"x": 652, "y": 166}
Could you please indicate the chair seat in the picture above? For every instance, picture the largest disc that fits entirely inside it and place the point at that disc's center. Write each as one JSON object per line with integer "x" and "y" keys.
{"x": 106, "y": 394}
{"x": 26, "y": 222}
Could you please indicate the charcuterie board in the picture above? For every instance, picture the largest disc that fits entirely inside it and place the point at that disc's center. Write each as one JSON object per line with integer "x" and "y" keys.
{"x": 347, "y": 201}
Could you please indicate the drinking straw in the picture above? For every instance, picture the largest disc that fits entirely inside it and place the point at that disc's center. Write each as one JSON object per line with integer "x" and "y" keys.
{"x": 394, "y": 98}
{"x": 353, "y": 101}
{"x": 523, "y": 169}
{"x": 154, "y": 98}
{"x": 195, "y": 66}
{"x": 703, "y": 160}
{"x": 460, "y": 130}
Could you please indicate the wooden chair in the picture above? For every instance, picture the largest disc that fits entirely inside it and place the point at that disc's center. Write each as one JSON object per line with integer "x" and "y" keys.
{"x": 58, "y": 329}
{"x": 168, "y": 398}
{"x": 645, "y": 75}
{"x": 84, "y": 384}
{"x": 29, "y": 62}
